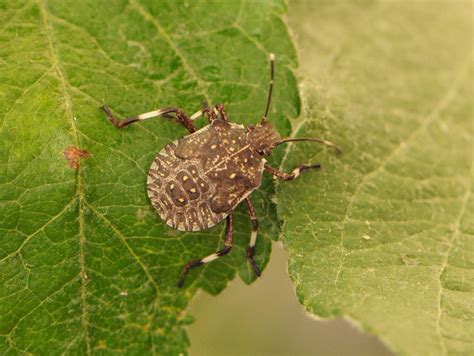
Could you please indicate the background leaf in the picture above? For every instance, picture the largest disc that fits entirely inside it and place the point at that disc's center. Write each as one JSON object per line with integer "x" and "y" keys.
{"x": 384, "y": 234}
{"x": 85, "y": 263}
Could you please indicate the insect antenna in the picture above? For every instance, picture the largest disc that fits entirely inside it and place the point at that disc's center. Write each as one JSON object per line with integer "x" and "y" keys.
{"x": 314, "y": 139}
{"x": 270, "y": 87}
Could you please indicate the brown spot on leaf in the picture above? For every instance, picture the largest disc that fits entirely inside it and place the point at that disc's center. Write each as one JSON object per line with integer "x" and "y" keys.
{"x": 72, "y": 154}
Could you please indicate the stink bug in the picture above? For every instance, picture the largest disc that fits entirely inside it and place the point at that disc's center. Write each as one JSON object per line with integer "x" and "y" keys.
{"x": 197, "y": 181}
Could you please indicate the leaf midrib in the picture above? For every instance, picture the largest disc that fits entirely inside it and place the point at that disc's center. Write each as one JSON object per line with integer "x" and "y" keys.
{"x": 79, "y": 192}
{"x": 57, "y": 69}
{"x": 79, "y": 180}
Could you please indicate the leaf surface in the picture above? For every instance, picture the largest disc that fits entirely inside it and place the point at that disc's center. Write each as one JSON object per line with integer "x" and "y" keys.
{"x": 384, "y": 233}
{"x": 85, "y": 263}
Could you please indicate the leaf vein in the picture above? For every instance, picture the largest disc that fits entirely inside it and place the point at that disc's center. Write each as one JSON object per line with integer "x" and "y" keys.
{"x": 434, "y": 114}
{"x": 444, "y": 264}
{"x": 79, "y": 187}
{"x": 123, "y": 239}
{"x": 147, "y": 16}
{"x": 41, "y": 228}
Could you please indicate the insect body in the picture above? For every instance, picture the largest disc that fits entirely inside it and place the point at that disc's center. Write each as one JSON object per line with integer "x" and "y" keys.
{"x": 198, "y": 180}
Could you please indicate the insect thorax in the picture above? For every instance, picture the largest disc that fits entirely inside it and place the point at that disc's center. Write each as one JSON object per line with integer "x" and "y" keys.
{"x": 263, "y": 137}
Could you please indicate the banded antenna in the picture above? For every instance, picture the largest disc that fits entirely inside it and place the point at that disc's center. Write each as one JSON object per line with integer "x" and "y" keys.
{"x": 270, "y": 87}
{"x": 314, "y": 139}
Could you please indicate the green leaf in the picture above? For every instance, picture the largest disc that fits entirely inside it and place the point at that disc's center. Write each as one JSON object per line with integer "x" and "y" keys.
{"x": 86, "y": 265}
{"x": 383, "y": 235}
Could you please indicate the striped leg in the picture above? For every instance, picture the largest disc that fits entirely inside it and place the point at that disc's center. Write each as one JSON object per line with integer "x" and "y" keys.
{"x": 229, "y": 241}
{"x": 290, "y": 176}
{"x": 221, "y": 110}
{"x": 206, "y": 111}
{"x": 253, "y": 236}
{"x": 210, "y": 113}
{"x": 180, "y": 116}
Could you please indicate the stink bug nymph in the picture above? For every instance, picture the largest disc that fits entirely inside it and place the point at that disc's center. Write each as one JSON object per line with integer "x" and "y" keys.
{"x": 197, "y": 181}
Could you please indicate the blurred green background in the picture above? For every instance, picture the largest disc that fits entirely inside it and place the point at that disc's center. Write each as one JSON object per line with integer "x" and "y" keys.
{"x": 265, "y": 318}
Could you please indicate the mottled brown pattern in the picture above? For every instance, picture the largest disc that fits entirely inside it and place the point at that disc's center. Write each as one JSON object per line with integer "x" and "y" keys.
{"x": 195, "y": 182}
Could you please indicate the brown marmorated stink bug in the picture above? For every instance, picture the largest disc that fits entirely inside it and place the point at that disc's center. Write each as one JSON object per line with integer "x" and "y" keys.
{"x": 197, "y": 181}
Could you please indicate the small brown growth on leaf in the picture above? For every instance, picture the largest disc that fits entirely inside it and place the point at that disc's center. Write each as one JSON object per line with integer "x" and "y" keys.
{"x": 72, "y": 154}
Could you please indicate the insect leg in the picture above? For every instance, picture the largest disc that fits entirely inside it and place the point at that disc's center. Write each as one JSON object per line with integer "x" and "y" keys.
{"x": 196, "y": 115}
{"x": 221, "y": 110}
{"x": 208, "y": 112}
{"x": 253, "y": 236}
{"x": 295, "y": 173}
{"x": 180, "y": 116}
{"x": 228, "y": 243}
